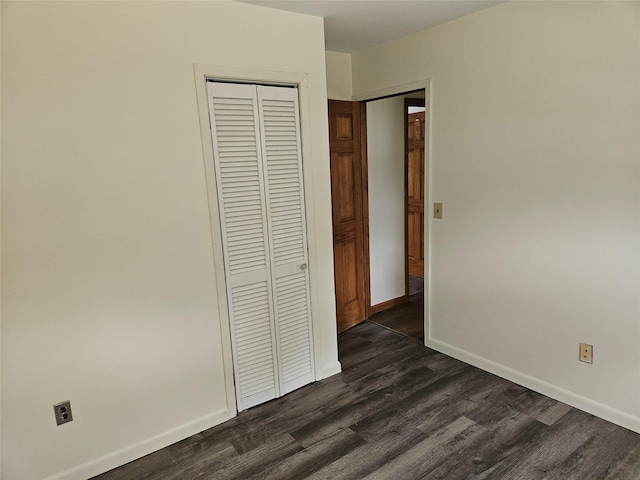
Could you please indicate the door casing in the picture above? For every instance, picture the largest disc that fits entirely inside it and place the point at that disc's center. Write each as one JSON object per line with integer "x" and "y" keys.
{"x": 203, "y": 73}
{"x": 425, "y": 85}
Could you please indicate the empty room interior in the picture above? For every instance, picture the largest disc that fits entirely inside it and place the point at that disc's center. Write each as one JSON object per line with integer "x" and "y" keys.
{"x": 217, "y": 218}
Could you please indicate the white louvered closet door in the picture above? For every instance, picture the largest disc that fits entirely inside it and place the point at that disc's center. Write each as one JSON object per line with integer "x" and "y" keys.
{"x": 256, "y": 143}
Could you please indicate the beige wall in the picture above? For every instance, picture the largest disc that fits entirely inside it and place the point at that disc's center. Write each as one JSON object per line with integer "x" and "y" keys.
{"x": 386, "y": 165}
{"x": 338, "y": 75}
{"x": 385, "y": 162}
{"x": 536, "y": 156}
{"x": 108, "y": 281}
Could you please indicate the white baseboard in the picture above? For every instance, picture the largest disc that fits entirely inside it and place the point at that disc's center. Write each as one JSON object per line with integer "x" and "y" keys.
{"x": 570, "y": 398}
{"x": 138, "y": 450}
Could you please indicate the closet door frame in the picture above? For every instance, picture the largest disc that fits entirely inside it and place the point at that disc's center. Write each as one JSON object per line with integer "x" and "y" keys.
{"x": 204, "y": 73}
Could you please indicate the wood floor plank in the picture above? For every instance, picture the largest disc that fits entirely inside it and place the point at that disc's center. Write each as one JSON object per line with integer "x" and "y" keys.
{"x": 499, "y": 441}
{"x": 397, "y": 416}
{"x": 391, "y": 353}
{"x": 353, "y": 412}
{"x": 417, "y": 461}
{"x": 289, "y": 413}
{"x": 378, "y": 451}
{"x": 554, "y": 413}
{"x": 442, "y": 363}
{"x": 311, "y": 421}
{"x": 597, "y": 457}
{"x": 627, "y": 467}
{"x": 354, "y": 349}
{"x": 308, "y": 461}
{"x": 252, "y": 463}
{"x": 542, "y": 453}
{"x": 445, "y": 391}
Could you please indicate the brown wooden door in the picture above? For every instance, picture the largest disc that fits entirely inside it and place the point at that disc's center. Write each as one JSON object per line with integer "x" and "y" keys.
{"x": 347, "y": 199}
{"x": 415, "y": 193}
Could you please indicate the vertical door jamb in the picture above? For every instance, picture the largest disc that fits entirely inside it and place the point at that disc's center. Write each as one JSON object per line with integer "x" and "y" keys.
{"x": 365, "y": 210}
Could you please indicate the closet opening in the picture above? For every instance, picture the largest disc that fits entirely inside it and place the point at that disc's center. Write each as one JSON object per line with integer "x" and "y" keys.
{"x": 257, "y": 160}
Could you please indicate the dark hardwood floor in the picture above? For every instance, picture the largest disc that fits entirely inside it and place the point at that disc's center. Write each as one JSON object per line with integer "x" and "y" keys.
{"x": 401, "y": 411}
{"x": 407, "y": 318}
{"x": 416, "y": 285}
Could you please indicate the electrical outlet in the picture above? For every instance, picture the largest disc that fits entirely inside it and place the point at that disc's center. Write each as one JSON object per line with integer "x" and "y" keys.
{"x": 437, "y": 210}
{"x": 62, "y": 411}
{"x": 586, "y": 353}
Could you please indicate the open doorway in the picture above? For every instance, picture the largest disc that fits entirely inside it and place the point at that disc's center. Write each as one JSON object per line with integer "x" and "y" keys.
{"x": 375, "y": 258}
{"x": 396, "y": 175}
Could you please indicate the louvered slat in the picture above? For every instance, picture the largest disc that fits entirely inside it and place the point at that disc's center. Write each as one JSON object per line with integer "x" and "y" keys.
{"x": 295, "y": 355}
{"x": 253, "y": 334}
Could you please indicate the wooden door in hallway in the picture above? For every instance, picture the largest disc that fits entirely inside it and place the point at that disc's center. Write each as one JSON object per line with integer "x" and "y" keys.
{"x": 415, "y": 193}
{"x": 348, "y": 198}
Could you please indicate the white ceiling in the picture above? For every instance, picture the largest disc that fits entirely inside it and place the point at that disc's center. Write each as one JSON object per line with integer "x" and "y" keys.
{"x": 351, "y": 25}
